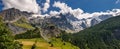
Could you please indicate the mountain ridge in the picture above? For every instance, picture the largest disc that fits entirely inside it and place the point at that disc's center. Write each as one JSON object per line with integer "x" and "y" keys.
{"x": 67, "y": 22}
{"x": 104, "y": 35}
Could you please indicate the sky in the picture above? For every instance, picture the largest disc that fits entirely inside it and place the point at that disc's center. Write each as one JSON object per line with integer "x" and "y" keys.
{"x": 79, "y": 8}
{"x": 94, "y": 5}
{"x": 86, "y": 5}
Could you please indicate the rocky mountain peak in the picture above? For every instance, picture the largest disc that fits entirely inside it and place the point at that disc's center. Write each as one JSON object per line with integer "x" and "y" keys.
{"x": 13, "y": 14}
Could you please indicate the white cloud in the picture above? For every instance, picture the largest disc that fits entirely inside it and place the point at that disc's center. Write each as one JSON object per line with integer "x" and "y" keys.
{"x": 54, "y": 13}
{"x": 23, "y": 5}
{"x": 46, "y": 5}
{"x": 79, "y": 13}
{"x": 32, "y": 6}
{"x": 66, "y": 9}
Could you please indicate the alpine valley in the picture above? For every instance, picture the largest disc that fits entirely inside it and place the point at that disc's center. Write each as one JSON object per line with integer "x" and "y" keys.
{"x": 31, "y": 24}
{"x": 86, "y": 33}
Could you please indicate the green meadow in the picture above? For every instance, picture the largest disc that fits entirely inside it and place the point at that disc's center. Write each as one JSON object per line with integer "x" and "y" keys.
{"x": 42, "y": 44}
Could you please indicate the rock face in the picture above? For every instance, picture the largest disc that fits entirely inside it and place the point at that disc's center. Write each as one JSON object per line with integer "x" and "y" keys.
{"x": 16, "y": 29}
{"x": 11, "y": 16}
{"x": 67, "y": 22}
{"x": 51, "y": 31}
{"x": 104, "y": 17}
{"x": 70, "y": 23}
{"x": 62, "y": 22}
{"x": 19, "y": 22}
{"x": 94, "y": 22}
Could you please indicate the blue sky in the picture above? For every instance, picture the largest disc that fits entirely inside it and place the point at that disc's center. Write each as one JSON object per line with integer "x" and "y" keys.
{"x": 86, "y": 5}
{"x": 94, "y": 5}
{"x": 1, "y": 5}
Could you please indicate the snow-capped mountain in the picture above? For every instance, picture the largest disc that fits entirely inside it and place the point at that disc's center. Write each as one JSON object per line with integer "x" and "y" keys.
{"x": 69, "y": 22}
{"x": 80, "y": 24}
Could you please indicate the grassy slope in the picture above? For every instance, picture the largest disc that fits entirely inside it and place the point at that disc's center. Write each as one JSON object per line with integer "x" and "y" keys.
{"x": 42, "y": 44}
{"x": 23, "y": 23}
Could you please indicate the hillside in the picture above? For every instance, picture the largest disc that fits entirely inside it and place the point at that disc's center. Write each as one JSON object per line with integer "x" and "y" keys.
{"x": 6, "y": 38}
{"x": 42, "y": 44}
{"x": 18, "y": 25}
{"x": 21, "y": 21}
{"x": 105, "y": 35}
{"x": 59, "y": 24}
{"x": 16, "y": 20}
